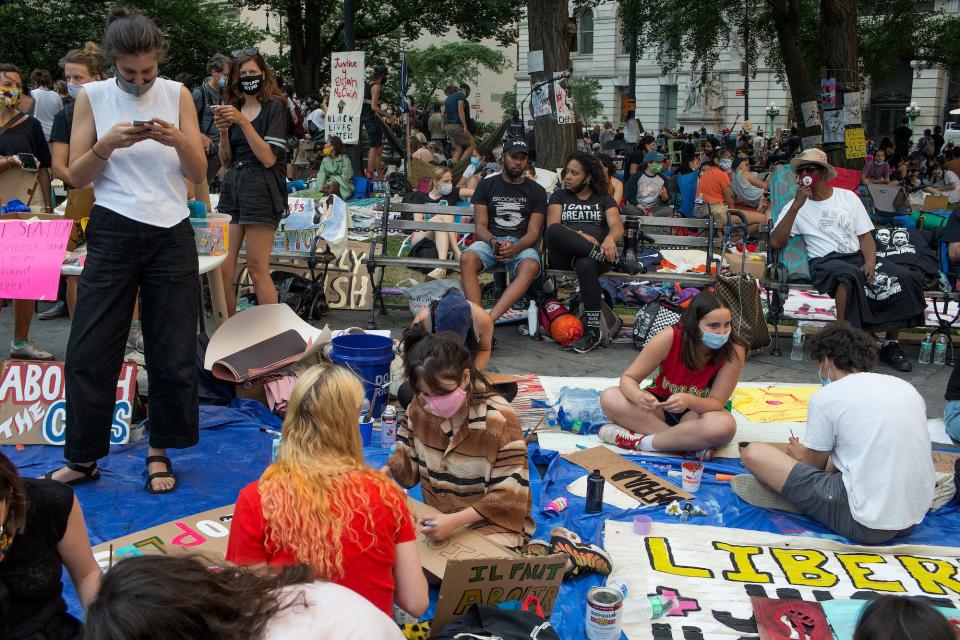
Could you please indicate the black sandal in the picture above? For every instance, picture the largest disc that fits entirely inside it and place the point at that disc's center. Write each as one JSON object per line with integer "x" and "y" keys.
{"x": 160, "y": 474}
{"x": 90, "y": 473}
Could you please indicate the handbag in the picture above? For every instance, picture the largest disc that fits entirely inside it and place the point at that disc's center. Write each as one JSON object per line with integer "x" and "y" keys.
{"x": 652, "y": 318}
{"x": 742, "y": 293}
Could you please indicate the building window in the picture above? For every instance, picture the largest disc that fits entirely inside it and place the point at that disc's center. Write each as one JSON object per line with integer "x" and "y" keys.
{"x": 623, "y": 37}
{"x": 585, "y": 27}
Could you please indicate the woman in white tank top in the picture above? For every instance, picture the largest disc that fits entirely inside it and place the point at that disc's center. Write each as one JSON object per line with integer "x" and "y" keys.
{"x": 136, "y": 139}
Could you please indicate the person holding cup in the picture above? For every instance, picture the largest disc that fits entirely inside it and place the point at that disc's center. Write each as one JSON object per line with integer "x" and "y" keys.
{"x": 698, "y": 364}
{"x": 320, "y": 505}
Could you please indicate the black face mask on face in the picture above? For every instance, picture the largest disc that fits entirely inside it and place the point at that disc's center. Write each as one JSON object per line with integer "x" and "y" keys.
{"x": 251, "y": 84}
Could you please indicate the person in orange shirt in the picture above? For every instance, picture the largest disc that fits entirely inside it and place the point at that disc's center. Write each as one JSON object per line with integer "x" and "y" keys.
{"x": 714, "y": 192}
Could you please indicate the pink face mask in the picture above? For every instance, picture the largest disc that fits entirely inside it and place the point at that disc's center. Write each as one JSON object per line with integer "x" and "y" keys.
{"x": 447, "y": 405}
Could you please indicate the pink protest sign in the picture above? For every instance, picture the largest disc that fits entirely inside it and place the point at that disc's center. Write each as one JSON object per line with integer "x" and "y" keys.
{"x": 31, "y": 253}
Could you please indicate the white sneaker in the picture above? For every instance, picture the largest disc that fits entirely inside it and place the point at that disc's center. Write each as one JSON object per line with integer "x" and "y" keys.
{"x": 617, "y": 435}
{"x": 29, "y": 351}
{"x": 438, "y": 274}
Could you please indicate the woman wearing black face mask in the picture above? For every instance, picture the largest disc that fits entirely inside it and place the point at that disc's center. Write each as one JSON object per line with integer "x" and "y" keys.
{"x": 253, "y": 124}
{"x": 583, "y": 227}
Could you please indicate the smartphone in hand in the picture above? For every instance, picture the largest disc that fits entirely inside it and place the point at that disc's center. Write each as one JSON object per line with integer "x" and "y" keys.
{"x": 142, "y": 123}
{"x": 28, "y": 162}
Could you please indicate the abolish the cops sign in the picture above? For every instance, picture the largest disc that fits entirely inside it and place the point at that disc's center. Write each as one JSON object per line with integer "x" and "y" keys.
{"x": 346, "y": 96}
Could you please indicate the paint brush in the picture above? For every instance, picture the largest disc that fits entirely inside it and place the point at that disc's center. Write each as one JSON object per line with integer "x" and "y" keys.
{"x": 271, "y": 432}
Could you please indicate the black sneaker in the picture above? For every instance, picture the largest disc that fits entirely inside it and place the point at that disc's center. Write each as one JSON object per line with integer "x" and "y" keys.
{"x": 59, "y": 310}
{"x": 589, "y": 341}
{"x": 891, "y": 354}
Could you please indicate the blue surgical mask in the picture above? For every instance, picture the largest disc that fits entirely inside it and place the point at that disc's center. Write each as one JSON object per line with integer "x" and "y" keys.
{"x": 726, "y": 164}
{"x": 714, "y": 340}
{"x": 474, "y": 161}
{"x": 823, "y": 381}
{"x": 73, "y": 90}
{"x": 222, "y": 81}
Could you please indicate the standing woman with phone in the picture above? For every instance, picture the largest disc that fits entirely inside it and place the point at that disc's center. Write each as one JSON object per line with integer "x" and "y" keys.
{"x": 253, "y": 124}
{"x": 139, "y": 236}
{"x": 22, "y": 146}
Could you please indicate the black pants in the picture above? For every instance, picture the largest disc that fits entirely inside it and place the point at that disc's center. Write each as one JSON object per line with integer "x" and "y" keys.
{"x": 568, "y": 249}
{"x": 122, "y": 257}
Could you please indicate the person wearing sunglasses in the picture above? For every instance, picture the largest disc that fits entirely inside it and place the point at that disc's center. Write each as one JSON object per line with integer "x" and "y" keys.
{"x": 843, "y": 257}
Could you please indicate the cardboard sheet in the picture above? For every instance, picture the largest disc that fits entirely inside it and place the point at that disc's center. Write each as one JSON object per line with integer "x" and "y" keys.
{"x": 465, "y": 544}
{"x": 630, "y": 478}
{"x": 258, "y": 324}
{"x": 204, "y": 533}
{"x": 494, "y": 580}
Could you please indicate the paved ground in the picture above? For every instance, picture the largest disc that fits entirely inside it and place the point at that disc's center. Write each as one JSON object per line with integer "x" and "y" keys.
{"x": 515, "y": 353}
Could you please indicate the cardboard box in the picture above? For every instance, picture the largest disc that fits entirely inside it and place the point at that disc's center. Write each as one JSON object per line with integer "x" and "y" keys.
{"x": 79, "y": 205}
{"x": 754, "y": 266}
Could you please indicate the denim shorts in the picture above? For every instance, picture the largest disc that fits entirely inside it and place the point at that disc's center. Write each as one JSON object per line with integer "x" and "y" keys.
{"x": 951, "y": 418}
{"x": 485, "y": 252}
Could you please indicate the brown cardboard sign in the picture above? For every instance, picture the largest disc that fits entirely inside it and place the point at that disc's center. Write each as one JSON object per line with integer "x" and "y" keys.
{"x": 943, "y": 461}
{"x": 33, "y": 406}
{"x": 464, "y": 544}
{"x": 633, "y": 480}
{"x": 493, "y": 580}
{"x": 204, "y": 533}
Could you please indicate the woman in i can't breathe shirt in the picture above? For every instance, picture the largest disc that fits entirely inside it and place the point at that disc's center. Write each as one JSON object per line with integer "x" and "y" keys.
{"x": 136, "y": 139}
{"x": 583, "y": 227}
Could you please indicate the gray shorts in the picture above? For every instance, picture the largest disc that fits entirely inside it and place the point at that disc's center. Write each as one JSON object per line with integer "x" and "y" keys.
{"x": 823, "y": 497}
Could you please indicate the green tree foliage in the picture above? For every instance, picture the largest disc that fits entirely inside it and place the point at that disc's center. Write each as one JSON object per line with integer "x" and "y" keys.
{"x": 509, "y": 101}
{"x": 585, "y": 102}
{"x": 434, "y": 68}
{"x": 315, "y": 28}
{"x": 39, "y": 32}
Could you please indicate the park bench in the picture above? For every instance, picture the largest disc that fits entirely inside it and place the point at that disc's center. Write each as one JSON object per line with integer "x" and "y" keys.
{"x": 654, "y": 233}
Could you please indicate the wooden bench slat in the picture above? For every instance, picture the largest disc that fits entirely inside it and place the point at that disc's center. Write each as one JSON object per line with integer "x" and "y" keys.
{"x": 406, "y": 261}
{"x": 429, "y": 225}
{"x": 659, "y": 276}
{"x": 689, "y": 223}
{"x": 432, "y": 209}
{"x": 664, "y": 240}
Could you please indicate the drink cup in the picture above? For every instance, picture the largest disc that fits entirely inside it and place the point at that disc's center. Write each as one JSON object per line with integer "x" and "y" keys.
{"x": 692, "y": 473}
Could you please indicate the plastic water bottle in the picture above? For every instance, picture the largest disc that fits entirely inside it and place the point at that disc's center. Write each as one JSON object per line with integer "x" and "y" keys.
{"x": 940, "y": 350}
{"x": 925, "y": 348}
{"x": 580, "y": 410}
{"x": 533, "y": 318}
{"x": 796, "y": 353}
{"x": 639, "y": 610}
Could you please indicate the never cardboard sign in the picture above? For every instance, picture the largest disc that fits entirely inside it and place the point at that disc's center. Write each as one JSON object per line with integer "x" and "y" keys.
{"x": 464, "y": 544}
{"x": 33, "y": 409}
{"x": 632, "y": 479}
{"x": 491, "y": 581}
{"x": 205, "y": 533}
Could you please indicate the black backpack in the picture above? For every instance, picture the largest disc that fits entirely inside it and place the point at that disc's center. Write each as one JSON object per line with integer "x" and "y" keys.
{"x": 485, "y": 622}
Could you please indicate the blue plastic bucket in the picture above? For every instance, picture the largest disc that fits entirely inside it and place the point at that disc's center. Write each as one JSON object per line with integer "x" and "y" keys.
{"x": 369, "y": 357}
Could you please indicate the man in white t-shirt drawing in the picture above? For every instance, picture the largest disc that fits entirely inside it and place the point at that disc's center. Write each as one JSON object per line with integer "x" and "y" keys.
{"x": 843, "y": 257}
{"x": 863, "y": 468}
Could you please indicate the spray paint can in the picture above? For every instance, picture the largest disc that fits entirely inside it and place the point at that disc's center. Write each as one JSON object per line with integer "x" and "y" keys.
{"x": 594, "y": 492}
{"x": 604, "y": 606}
{"x": 388, "y": 427}
{"x": 556, "y": 505}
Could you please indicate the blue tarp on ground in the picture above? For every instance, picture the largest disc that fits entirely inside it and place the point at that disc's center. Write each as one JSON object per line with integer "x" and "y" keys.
{"x": 233, "y": 452}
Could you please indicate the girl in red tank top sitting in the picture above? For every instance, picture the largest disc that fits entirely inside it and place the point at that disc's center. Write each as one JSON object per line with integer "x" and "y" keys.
{"x": 698, "y": 364}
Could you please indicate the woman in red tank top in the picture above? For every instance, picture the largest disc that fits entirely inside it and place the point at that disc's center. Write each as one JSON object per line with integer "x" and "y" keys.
{"x": 698, "y": 364}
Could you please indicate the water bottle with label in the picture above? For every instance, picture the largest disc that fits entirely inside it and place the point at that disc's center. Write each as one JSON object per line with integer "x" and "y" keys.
{"x": 796, "y": 353}
{"x": 926, "y": 347}
{"x": 940, "y": 350}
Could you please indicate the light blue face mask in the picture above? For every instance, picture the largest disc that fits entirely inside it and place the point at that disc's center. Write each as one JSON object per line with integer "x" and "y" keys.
{"x": 222, "y": 81}
{"x": 474, "y": 161}
{"x": 714, "y": 340}
{"x": 823, "y": 381}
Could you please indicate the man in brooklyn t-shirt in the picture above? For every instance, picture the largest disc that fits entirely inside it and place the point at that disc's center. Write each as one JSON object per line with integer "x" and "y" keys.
{"x": 508, "y": 210}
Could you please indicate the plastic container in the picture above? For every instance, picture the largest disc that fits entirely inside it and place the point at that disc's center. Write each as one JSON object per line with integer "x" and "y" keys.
{"x": 369, "y": 357}
{"x": 940, "y": 350}
{"x": 926, "y": 347}
{"x": 366, "y": 432}
{"x": 796, "y": 353}
{"x": 211, "y": 234}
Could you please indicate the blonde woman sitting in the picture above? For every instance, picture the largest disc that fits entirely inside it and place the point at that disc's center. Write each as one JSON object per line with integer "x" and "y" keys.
{"x": 320, "y": 505}
{"x": 441, "y": 191}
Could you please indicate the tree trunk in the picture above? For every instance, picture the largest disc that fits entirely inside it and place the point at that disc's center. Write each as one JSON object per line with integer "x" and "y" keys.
{"x": 838, "y": 37}
{"x": 547, "y": 26}
{"x": 305, "y": 56}
{"x": 786, "y": 15}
